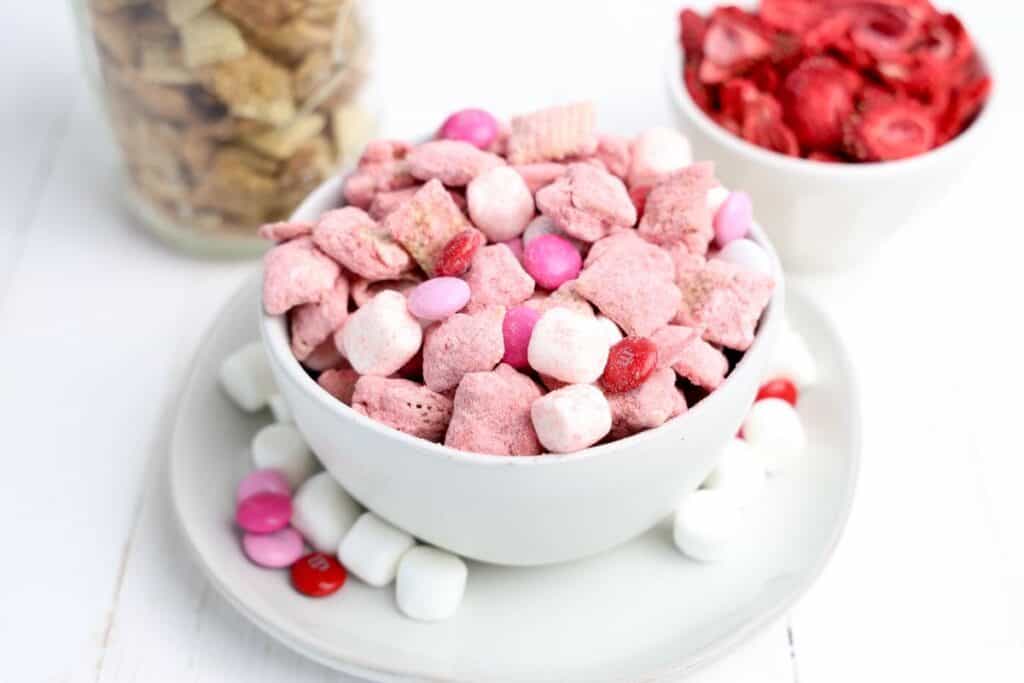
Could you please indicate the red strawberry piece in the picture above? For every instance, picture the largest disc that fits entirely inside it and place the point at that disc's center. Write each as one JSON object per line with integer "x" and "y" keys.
{"x": 898, "y": 129}
{"x": 458, "y": 253}
{"x": 630, "y": 363}
{"x": 698, "y": 91}
{"x": 826, "y": 157}
{"x": 817, "y": 99}
{"x": 765, "y": 76}
{"x": 732, "y": 42}
{"x": 692, "y": 28}
{"x": 734, "y": 96}
{"x": 884, "y": 31}
{"x": 794, "y": 16}
{"x": 780, "y": 388}
{"x": 828, "y": 31}
{"x": 639, "y": 197}
{"x": 731, "y": 125}
{"x": 964, "y": 105}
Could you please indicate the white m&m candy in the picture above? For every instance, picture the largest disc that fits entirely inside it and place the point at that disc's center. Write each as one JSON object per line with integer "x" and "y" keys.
{"x": 774, "y": 431}
{"x": 246, "y": 378}
{"x": 706, "y": 524}
{"x": 281, "y": 447}
{"x": 372, "y": 548}
{"x": 430, "y": 584}
{"x": 323, "y": 512}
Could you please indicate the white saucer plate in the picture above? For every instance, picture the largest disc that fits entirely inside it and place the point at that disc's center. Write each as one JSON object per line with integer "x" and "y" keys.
{"x": 640, "y": 612}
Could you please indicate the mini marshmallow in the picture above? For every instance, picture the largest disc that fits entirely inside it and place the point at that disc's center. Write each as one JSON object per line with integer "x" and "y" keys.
{"x": 572, "y": 418}
{"x": 774, "y": 431}
{"x": 372, "y": 549}
{"x": 705, "y": 525}
{"x": 246, "y": 378}
{"x": 323, "y": 512}
{"x": 568, "y": 347}
{"x": 740, "y": 473}
{"x": 658, "y": 151}
{"x": 279, "y": 408}
{"x": 281, "y": 447}
{"x": 792, "y": 360}
{"x": 609, "y": 330}
{"x": 382, "y": 336}
{"x": 430, "y": 584}
{"x": 500, "y": 203}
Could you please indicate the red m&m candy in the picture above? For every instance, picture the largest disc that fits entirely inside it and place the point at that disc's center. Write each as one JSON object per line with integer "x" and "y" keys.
{"x": 779, "y": 388}
{"x": 630, "y": 363}
{"x": 318, "y": 575}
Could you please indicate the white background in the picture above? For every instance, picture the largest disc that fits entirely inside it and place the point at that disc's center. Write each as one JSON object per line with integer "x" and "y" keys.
{"x": 98, "y": 324}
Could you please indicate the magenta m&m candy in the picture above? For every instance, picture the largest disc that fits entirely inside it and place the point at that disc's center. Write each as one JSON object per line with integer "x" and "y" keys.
{"x": 475, "y": 126}
{"x": 552, "y": 260}
{"x": 274, "y": 550}
{"x": 516, "y": 329}
{"x": 264, "y": 512}
{"x": 318, "y": 575}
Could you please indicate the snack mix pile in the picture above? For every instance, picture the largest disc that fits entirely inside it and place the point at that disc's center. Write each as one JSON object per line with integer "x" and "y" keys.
{"x": 835, "y": 80}
{"x": 481, "y": 332}
{"x": 229, "y": 112}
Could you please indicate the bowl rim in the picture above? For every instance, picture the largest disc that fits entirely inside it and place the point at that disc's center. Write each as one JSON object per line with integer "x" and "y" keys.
{"x": 675, "y": 63}
{"x": 274, "y": 335}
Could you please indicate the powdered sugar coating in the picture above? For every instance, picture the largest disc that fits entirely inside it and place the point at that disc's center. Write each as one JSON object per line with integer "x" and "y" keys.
{"x": 587, "y": 203}
{"x": 491, "y": 413}
{"x": 406, "y": 406}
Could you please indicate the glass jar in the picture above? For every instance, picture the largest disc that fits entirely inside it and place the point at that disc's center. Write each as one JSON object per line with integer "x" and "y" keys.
{"x": 227, "y": 112}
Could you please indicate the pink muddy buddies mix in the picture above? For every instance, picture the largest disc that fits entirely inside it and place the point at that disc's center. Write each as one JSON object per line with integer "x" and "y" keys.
{"x": 435, "y": 316}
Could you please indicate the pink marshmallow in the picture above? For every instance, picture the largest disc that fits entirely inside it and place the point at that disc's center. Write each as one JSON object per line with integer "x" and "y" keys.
{"x": 295, "y": 273}
{"x": 463, "y": 344}
{"x": 403, "y": 405}
{"x": 500, "y": 203}
{"x": 380, "y": 337}
{"x": 572, "y": 418}
{"x": 568, "y": 346}
{"x": 491, "y": 414}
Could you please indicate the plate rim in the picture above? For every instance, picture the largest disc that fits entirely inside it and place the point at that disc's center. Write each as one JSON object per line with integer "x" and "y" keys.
{"x": 710, "y": 653}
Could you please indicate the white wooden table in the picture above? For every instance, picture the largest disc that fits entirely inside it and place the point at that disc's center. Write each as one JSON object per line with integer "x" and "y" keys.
{"x": 98, "y": 323}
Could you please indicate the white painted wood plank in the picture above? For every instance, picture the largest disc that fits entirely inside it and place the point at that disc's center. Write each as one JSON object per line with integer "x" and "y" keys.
{"x": 98, "y": 326}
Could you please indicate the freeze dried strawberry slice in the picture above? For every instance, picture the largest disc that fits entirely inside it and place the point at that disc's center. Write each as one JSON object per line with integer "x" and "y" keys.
{"x": 763, "y": 126}
{"x": 692, "y": 28}
{"x": 964, "y": 105}
{"x": 765, "y": 76}
{"x": 732, "y": 42}
{"x": 884, "y": 31}
{"x": 888, "y": 131}
{"x": 817, "y": 97}
{"x": 825, "y": 156}
{"x": 698, "y": 91}
{"x": 795, "y": 16}
{"x": 735, "y": 95}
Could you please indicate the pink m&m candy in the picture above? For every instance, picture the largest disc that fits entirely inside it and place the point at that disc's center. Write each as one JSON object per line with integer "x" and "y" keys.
{"x": 275, "y": 550}
{"x": 439, "y": 298}
{"x": 258, "y": 481}
{"x": 747, "y": 253}
{"x": 552, "y": 260}
{"x": 733, "y": 218}
{"x": 475, "y": 126}
{"x": 516, "y": 329}
{"x": 264, "y": 512}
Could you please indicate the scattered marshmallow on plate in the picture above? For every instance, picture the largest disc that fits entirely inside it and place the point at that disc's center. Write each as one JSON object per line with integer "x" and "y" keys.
{"x": 705, "y": 525}
{"x": 281, "y": 447}
{"x": 323, "y": 512}
{"x": 430, "y": 583}
{"x": 372, "y": 549}
{"x": 279, "y": 409}
{"x": 245, "y": 376}
{"x": 740, "y": 473}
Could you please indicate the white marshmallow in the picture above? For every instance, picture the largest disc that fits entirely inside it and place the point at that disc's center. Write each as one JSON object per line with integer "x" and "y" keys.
{"x": 747, "y": 253}
{"x": 774, "y": 431}
{"x": 740, "y": 473}
{"x": 282, "y": 447}
{"x": 246, "y": 378}
{"x": 792, "y": 360}
{"x": 571, "y": 418}
{"x": 542, "y": 225}
{"x": 372, "y": 548}
{"x": 500, "y": 203}
{"x": 430, "y": 584}
{"x": 706, "y": 524}
{"x": 323, "y": 512}
{"x": 657, "y": 151}
{"x": 609, "y": 330}
{"x": 716, "y": 197}
{"x": 279, "y": 409}
{"x": 382, "y": 336}
{"x": 568, "y": 346}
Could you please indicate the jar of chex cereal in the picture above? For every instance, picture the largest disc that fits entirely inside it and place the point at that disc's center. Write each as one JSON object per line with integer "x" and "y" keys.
{"x": 228, "y": 112}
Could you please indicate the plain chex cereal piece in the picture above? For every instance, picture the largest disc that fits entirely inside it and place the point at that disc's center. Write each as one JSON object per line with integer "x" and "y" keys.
{"x": 426, "y": 223}
{"x": 461, "y": 344}
{"x": 281, "y": 447}
{"x": 454, "y": 162}
{"x": 706, "y": 524}
{"x": 430, "y": 584}
{"x": 356, "y": 241}
{"x": 553, "y": 134}
{"x": 572, "y": 418}
{"x": 723, "y": 299}
{"x": 568, "y": 346}
{"x": 677, "y": 211}
{"x": 323, "y": 512}
{"x": 740, "y": 473}
{"x": 373, "y": 548}
{"x": 491, "y": 413}
{"x": 380, "y": 337}
{"x": 587, "y": 203}
{"x": 497, "y": 278}
{"x": 295, "y": 273}
{"x": 403, "y": 405}
{"x": 649, "y": 405}
{"x": 774, "y": 430}
{"x": 315, "y": 322}
{"x": 246, "y": 378}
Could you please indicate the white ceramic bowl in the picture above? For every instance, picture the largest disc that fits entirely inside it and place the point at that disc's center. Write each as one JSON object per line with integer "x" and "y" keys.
{"x": 822, "y": 216}
{"x": 517, "y": 510}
